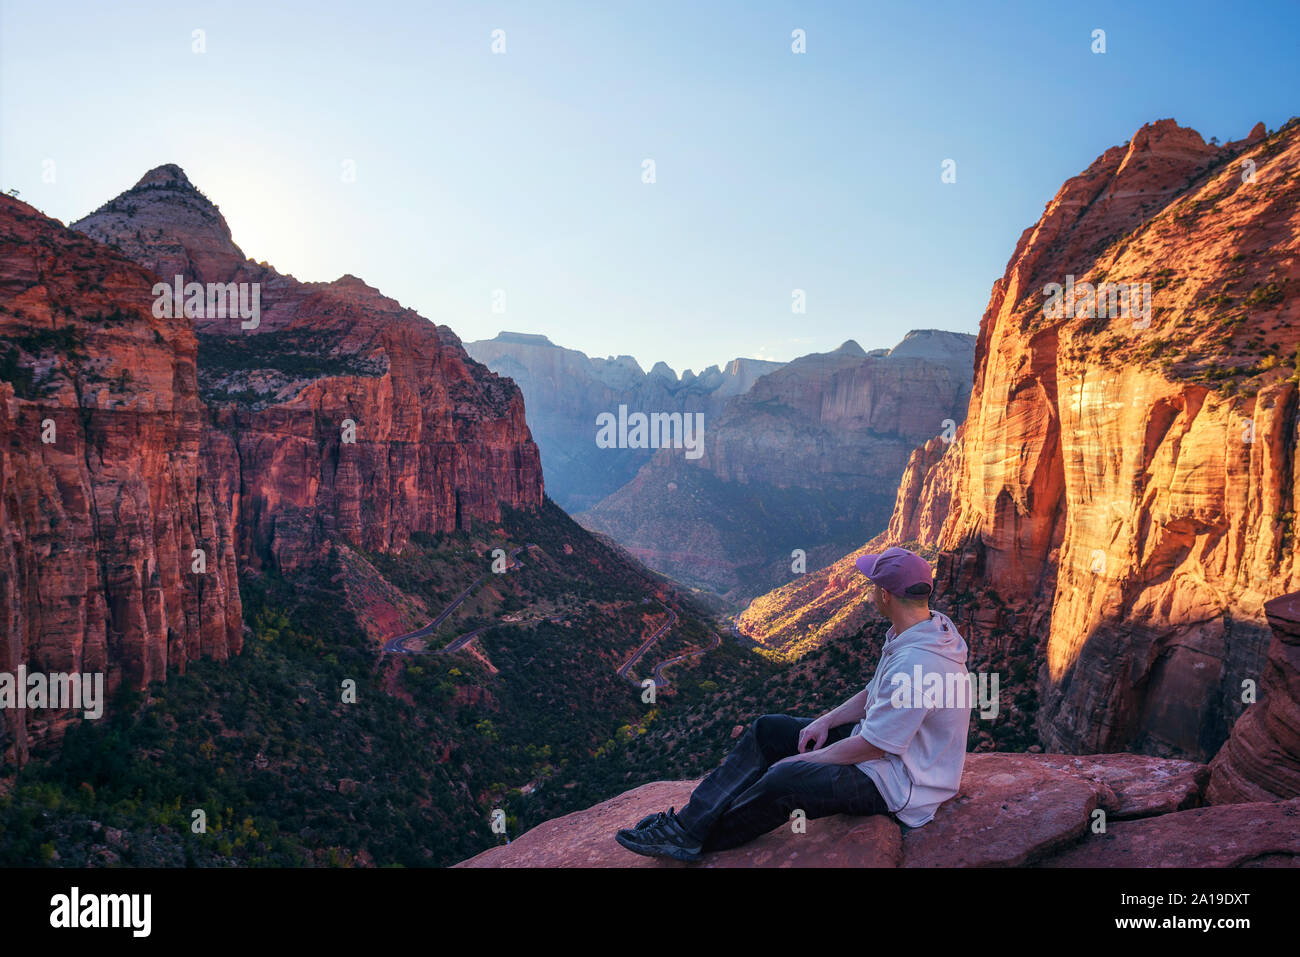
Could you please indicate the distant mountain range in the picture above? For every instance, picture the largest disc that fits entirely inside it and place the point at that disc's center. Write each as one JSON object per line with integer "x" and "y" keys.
{"x": 565, "y": 390}
{"x": 804, "y": 455}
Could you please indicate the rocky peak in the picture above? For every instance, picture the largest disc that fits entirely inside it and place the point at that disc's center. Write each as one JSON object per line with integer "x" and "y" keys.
{"x": 1167, "y": 138}
{"x": 936, "y": 345}
{"x": 740, "y": 365}
{"x": 662, "y": 370}
{"x": 711, "y": 379}
{"x": 741, "y": 374}
{"x": 167, "y": 225}
{"x": 323, "y": 353}
{"x": 802, "y": 381}
{"x": 618, "y": 372}
{"x": 1120, "y": 190}
{"x": 524, "y": 339}
{"x": 169, "y": 174}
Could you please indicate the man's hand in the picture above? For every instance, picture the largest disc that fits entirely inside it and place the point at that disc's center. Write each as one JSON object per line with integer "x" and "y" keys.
{"x": 813, "y": 736}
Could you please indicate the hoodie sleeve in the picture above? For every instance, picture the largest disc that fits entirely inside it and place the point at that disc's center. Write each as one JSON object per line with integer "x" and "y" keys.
{"x": 888, "y": 727}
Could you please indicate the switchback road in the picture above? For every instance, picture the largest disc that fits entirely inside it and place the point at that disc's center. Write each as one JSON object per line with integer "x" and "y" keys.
{"x": 658, "y": 673}
{"x": 672, "y": 620}
{"x": 398, "y": 644}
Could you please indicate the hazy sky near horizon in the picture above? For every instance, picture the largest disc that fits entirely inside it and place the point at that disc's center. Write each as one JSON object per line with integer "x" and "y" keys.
{"x": 522, "y": 171}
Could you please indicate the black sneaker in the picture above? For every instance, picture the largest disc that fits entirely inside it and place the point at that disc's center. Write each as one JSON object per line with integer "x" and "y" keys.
{"x": 651, "y": 819}
{"x": 663, "y": 836}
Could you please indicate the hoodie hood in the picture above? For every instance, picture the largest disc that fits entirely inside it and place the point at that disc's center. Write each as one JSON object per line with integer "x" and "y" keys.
{"x": 938, "y": 635}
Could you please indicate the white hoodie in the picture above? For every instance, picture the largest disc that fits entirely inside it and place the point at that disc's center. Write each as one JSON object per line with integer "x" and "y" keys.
{"x": 924, "y": 741}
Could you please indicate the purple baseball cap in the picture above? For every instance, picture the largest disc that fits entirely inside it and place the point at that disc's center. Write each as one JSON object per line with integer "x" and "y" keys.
{"x": 899, "y": 572}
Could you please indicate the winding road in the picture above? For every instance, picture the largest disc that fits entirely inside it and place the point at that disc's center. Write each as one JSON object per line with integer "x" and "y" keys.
{"x": 661, "y": 681}
{"x": 645, "y": 646}
{"x": 398, "y": 644}
{"x": 658, "y": 671}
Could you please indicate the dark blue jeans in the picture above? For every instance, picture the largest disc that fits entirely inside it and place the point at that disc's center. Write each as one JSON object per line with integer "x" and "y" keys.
{"x": 745, "y": 796}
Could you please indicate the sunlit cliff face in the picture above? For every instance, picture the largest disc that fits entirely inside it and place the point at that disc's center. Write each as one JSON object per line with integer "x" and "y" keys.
{"x": 1124, "y": 487}
{"x": 1137, "y": 473}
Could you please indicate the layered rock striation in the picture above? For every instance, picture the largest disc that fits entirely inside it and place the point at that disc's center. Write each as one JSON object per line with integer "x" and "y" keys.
{"x": 339, "y": 415}
{"x": 1261, "y": 759}
{"x": 116, "y": 550}
{"x": 1125, "y": 483}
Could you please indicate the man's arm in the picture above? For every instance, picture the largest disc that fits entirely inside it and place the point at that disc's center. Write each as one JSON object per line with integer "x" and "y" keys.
{"x": 884, "y": 724}
{"x": 851, "y": 750}
{"x": 813, "y": 736}
{"x": 851, "y": 710}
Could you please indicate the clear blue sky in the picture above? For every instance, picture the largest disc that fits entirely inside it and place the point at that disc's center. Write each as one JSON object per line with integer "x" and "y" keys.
{"x": 522, "y": 171}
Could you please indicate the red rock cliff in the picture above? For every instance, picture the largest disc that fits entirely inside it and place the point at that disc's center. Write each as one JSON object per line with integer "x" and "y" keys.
{"x": 99, "y": 525}
{"x": 1261, "y": 760}
{"x": 438, "y": 438}
{"x": 1123, "y": 489}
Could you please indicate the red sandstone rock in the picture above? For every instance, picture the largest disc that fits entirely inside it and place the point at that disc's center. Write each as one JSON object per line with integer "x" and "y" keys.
{"x": 1012, "y": 809}
{"x": 438, "y": 438}
{"x": 1261, "y": 759}
{"x": 1135, "y": 785}
{"x": 98, "y": 527}
{"x": 1236, "y": 835}
{"x": 586, "y": 839}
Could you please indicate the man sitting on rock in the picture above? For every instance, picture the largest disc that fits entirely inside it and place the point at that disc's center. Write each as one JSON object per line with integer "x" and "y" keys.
{"x": 889, "y": 749}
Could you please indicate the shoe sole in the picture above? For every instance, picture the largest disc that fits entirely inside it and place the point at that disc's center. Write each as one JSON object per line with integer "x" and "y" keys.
{"x": 657, "y": 850}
